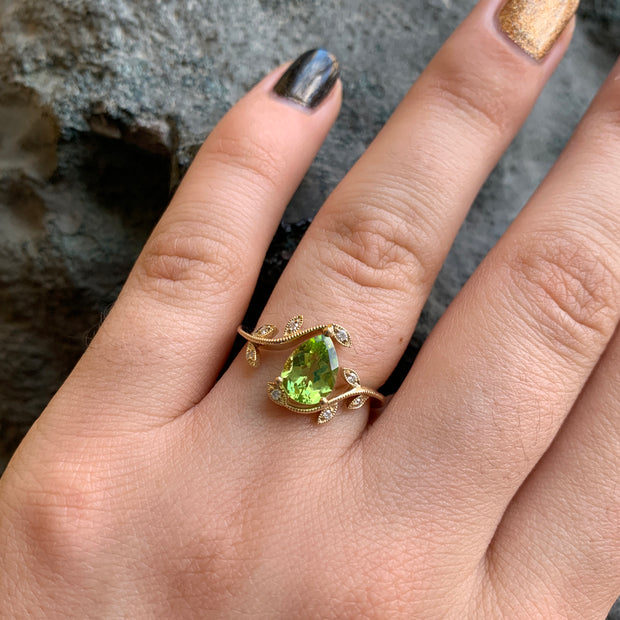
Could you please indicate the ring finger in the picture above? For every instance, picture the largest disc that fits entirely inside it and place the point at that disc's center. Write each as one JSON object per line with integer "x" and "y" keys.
{"x": 378, "y": 243}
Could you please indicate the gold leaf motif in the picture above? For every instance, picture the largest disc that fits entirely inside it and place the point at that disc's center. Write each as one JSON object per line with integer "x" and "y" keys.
{"x": 351, "y": 377}
{"x": 251, "y": 355}
{"x": 341, "y": 335}
{"x": 327, "y": 414}
{"x": 358, "y": 401}
{"x": 294, "y": 325}
{"x": 266, "y": 331}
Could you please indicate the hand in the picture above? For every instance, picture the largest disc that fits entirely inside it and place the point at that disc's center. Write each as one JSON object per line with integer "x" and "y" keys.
{"x": 487, "y": 487}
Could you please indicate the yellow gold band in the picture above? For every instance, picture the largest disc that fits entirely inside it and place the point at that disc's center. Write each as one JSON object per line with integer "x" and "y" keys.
{"x": 308, "y": 380}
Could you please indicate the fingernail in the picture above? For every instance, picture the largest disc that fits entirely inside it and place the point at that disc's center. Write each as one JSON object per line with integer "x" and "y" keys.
{"x": 535, "y": 25}
{"x": 309, "y": 79}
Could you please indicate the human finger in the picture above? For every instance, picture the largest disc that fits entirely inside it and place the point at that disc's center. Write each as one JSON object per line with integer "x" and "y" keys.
{"x": 504, "y": 366}
{"x": 370, "y": 257}
{"x": 563, "y": 527}
{"x": 170, "y": 331}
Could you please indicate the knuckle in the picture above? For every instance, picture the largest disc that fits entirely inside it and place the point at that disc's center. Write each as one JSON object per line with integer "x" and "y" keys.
{"x": 63, "y": 515}
{"x": 181, "y": 259}
{"x": 568, "y": 287}
{"x": 485, "y": 98}
{"x": 245, "y": 155}
{"x": 369, "y": 247}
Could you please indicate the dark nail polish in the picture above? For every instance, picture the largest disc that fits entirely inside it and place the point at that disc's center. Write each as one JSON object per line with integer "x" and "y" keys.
{"x": 309, "y": 79}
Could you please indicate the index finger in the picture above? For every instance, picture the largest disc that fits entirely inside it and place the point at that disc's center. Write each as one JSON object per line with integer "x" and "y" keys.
{"x": 173, "y": 324}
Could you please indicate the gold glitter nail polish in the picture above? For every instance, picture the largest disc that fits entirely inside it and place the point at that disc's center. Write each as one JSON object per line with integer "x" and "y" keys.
{"x": 535, "y": 25}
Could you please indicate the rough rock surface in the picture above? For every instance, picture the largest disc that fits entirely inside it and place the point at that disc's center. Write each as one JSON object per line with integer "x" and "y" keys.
{"x": 104, "y": 102}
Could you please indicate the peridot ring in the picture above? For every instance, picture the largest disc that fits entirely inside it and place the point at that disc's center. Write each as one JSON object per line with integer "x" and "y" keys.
{"x": 309, "y": 378}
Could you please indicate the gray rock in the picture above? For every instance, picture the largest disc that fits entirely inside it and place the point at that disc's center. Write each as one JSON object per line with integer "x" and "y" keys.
{"x": 103, "y": 103}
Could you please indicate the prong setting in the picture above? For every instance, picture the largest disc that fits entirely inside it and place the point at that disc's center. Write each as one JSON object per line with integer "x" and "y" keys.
{"x": 354, "y": 397}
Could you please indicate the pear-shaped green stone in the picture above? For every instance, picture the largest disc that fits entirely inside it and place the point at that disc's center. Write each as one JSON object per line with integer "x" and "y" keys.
{"x": 310, "y": 372}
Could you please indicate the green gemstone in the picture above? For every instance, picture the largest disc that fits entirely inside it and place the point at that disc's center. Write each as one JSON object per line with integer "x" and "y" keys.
{"x": 310, "y": 372}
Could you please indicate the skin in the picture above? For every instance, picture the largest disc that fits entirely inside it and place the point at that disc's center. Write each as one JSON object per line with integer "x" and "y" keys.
{"x": 487, "y": 487}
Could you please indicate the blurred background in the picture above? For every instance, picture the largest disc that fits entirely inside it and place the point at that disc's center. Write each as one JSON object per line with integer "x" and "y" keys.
{"x": 103, "y": 104}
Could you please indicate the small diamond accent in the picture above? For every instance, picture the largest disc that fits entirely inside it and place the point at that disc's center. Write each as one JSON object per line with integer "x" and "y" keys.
{"x": 351, "y": 377}
{"x": 326, "y": 416}
{"x": 276, "y": 395}
{"x": 358, "y": 402}
{"x": 342, "y": 336}
{"x": 294, "y": 325}
{"x": 265, "y": 330}
{"x": 251, "y": 355}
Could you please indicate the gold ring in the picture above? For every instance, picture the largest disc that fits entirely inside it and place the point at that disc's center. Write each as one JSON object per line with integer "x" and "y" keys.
{"x": 308, "y": 380}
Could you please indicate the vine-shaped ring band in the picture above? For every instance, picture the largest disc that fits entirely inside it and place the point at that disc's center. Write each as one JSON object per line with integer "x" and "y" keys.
{"x": 307, "y": 383}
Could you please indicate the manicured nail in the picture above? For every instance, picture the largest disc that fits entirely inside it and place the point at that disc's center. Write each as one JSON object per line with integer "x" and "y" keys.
{"x": 535, "y": 25}
{"x": 309, "y": 79}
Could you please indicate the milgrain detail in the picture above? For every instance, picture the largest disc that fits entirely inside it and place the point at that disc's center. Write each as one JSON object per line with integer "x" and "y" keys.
{"x": 322, "y": 366}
